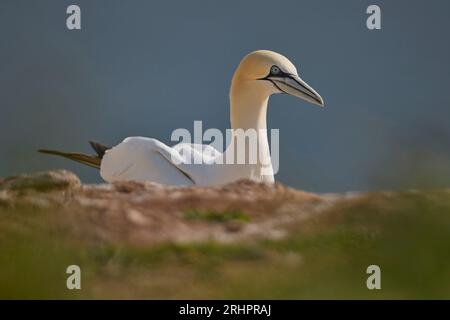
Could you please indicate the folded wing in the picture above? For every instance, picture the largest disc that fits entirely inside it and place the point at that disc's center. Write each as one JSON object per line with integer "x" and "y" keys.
{"x": 145, "y": 159}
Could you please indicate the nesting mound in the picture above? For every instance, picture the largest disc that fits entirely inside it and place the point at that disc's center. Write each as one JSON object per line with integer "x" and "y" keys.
{"x": 144, "y": 213}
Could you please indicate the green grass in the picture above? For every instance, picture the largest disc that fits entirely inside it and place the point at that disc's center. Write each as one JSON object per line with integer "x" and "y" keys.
{"x": 408, "y": 236}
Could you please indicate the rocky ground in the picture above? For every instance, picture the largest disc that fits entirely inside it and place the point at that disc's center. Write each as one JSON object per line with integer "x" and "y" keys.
{"x": 147, "y": 213}
{"x": 242, "y": 240}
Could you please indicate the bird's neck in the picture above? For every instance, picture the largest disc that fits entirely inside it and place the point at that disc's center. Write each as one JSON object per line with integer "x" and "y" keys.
{"x": 248, "y": 107}
{"x": 248, "y": 112}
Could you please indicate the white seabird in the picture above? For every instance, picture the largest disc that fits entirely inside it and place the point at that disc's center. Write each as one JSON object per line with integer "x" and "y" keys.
{"x": 259, "y": 75}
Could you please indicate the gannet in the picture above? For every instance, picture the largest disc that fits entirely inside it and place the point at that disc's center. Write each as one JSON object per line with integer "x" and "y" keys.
{"x": 259, "y": 75}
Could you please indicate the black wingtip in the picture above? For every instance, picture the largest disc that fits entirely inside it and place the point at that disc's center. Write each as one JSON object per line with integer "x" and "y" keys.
{"x": 99, "y": 148}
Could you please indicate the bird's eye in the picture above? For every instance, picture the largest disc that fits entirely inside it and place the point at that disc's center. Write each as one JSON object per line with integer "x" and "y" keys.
{"x": 275, "y": 70}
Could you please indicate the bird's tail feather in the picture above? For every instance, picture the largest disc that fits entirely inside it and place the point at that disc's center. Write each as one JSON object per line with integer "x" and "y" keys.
{"x": 92, "y": 161}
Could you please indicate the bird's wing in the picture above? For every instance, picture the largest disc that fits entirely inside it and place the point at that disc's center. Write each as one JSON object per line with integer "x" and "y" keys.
{"x": 146, "y": 159}
{"x": 197, "y": 153}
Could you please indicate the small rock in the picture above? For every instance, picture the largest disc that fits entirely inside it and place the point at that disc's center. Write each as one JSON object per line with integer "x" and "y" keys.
{"x": 42, "y": 181}
{"x": 234, "y": 226}
{"x": 136, "y": 217}
{"x": 4, "y": 198}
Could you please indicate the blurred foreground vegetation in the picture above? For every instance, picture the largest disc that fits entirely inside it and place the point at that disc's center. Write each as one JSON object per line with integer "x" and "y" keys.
{"x": 406, "y": 234}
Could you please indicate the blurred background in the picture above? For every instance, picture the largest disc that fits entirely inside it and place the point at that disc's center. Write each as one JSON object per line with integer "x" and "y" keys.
{"x": 148, "y": 67}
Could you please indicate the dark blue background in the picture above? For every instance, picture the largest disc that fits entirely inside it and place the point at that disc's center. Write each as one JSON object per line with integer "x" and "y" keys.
{"x": 148, "y": 67}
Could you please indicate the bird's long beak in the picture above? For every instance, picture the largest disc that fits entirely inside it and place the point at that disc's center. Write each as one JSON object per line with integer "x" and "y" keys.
{"x": 292, "y": 84}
